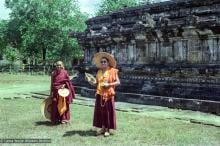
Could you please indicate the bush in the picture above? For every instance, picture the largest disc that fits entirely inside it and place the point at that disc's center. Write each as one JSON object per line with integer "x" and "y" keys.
{"x": 4, "y": 64}
{"x": 16, "y": 66}
{"x": 7, "y": 66}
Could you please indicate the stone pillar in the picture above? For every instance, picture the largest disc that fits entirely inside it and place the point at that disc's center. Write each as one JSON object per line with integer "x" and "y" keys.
{"x": 166, "y": 52}
{"x": 218, "y": 50}
{"x": 178, "y": 50}
{"x": 132, "y": 52}
{"x": 158, "y": 50}
{"x": 195, "y": 54}
{"x": 140, "y": 52}
{"x": 113, "y": 50}
{"x": 147, "y": 52}
{"x": 121, "y": 54}
{"x": 206, "y": 52}
{"x": 117, "y": 53}
{"x": 92, "y": 52}
{"x": 86, "y": 55}
{"x": 213, "y": 45}
{"x": 185, "y": 49}
{"x": 152, "y": 51}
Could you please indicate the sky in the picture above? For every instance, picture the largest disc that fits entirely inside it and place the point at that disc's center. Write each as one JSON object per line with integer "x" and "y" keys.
{"x": 3, "y": 11}
{"x": 88, "y": 6}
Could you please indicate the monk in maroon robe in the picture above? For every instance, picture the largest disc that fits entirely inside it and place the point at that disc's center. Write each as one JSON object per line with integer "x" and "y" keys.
{"x": 60, "y": 79}
{"x": 106, "y": 80}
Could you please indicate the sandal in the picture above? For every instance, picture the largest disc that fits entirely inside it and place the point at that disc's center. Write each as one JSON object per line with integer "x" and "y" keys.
{"x": 106, "y": 134}
{"x": 100, "y": 132}
{"x": 64, "y": 122}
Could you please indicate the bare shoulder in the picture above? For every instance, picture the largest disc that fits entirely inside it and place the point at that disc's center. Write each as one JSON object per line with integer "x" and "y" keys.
{"x": 114, "y": 70}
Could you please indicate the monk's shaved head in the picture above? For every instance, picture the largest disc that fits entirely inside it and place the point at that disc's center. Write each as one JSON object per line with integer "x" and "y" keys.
{"x": 59, "y": 64}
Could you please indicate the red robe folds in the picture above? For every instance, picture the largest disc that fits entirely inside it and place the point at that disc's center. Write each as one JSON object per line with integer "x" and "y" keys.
{"x": 58, "y": 78}
{"x": 104, "y": 112}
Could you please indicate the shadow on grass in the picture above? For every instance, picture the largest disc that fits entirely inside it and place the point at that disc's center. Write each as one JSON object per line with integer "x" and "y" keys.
{"x": 81, "y": 133}
{"x": 44, "y": 123}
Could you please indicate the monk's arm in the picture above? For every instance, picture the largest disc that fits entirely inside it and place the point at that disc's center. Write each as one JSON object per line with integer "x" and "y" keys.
{"x": 68, "y": 79}
{"x": 117, "y": 82}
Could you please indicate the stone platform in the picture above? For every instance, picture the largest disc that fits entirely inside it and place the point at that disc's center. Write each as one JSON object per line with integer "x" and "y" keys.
{"x": 168, "y": 53}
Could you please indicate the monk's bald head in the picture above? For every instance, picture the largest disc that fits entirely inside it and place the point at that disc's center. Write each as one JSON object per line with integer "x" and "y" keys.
{"x": 59, "y": 65}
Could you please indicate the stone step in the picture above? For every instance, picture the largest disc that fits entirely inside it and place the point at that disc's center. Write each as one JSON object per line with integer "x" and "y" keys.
{"x": 171, "y": 102}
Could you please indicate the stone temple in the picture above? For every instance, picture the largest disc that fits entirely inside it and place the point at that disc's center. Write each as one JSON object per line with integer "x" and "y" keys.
{"x": 168, "y": 53}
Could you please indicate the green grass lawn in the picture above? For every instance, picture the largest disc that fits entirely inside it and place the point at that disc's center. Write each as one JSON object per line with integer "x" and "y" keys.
{"x": 11, "y": 84}
{"x": 21, "y": 118}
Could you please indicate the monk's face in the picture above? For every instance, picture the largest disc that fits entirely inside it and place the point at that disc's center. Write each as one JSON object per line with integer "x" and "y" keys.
{"x": 104, "y": 63}
{"x": 59, "y": 66}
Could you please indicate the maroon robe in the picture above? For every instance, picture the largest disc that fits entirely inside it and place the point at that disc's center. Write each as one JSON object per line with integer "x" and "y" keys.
{"x": 104, "y": 115}
{"x": 104, "y": 112}
{"x": 58, "y": 78}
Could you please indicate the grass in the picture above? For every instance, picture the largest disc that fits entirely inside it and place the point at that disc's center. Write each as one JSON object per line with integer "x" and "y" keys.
{"x": 11, "y": 84}
{"x": 21, "y": 118}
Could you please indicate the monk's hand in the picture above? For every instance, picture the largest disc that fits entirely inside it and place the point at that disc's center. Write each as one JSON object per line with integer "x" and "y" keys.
{"x": 63, "y": 86}
{"x": 92, "y": 82}
{"x": 105, "y": 84}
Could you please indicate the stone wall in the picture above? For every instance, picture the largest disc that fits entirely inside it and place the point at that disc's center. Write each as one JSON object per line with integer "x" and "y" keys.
{"x": 178, "y": 50}
{"x": 168, "y": 49}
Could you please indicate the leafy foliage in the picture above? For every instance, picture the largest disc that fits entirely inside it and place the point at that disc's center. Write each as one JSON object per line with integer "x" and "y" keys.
{"x": 11, "y": 53}
{"x": 107, "y": 6}
{"x": 40, "y": 29}
{"x": 3, "y": 39}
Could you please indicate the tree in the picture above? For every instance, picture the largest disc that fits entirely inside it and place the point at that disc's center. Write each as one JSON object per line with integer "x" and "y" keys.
{"x": 11, "y": 54}
{"x": 107, "y": 6}
{"x": 41, "y": 27}
{"x": 3, "y": 38}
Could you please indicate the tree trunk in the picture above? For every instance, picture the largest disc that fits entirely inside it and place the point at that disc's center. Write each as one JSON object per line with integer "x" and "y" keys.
{"x": 44, "y": 55}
